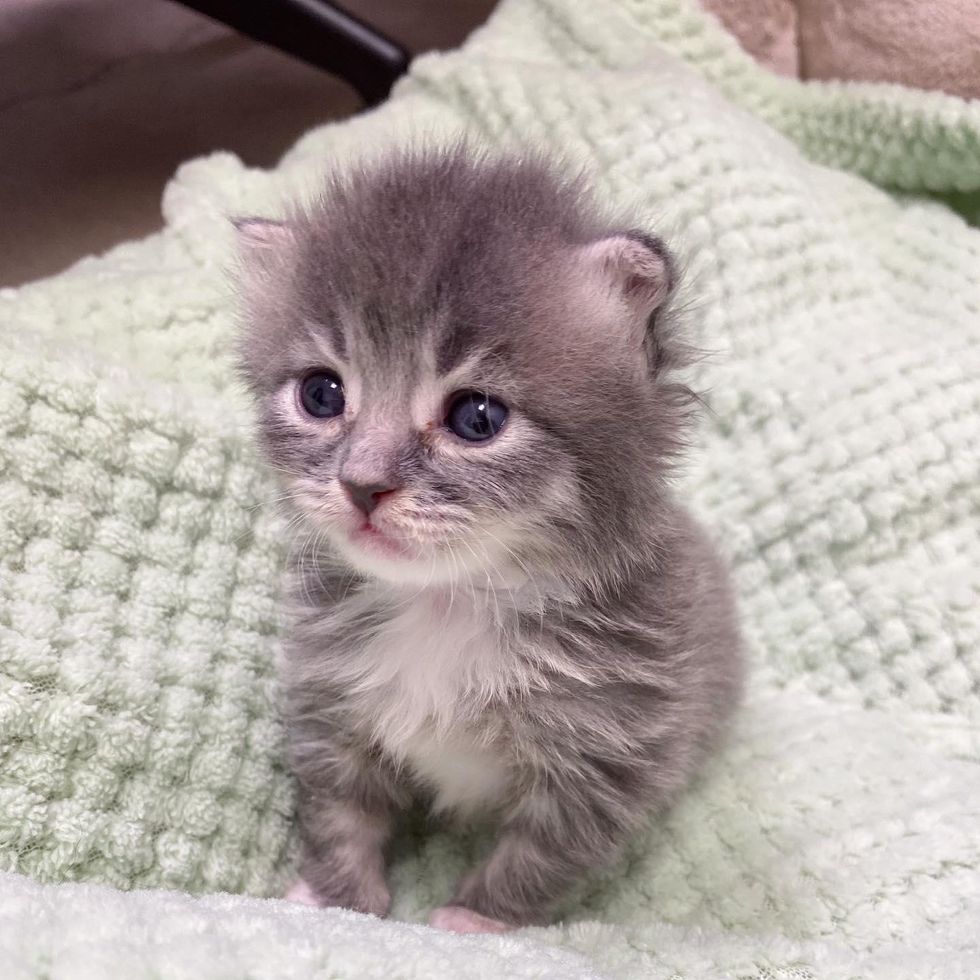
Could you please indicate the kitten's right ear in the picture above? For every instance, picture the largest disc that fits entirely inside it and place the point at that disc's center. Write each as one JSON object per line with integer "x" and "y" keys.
{"x": 261, "y": 241}
{"x": 637, "y": 268}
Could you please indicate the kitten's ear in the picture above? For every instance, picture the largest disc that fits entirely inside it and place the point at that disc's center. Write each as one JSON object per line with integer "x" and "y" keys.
{"x": 637, "y": 268}
{"x": 261, "y": 241}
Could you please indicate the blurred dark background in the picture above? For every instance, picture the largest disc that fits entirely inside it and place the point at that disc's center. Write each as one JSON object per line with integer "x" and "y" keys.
{"x": 100, "y": 100}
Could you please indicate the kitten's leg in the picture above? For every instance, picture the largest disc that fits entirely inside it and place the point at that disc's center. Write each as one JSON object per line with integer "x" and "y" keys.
{"x": 343, "y": 864}
{"x": 347, "y": 806}
{"x": 550, "y": 841}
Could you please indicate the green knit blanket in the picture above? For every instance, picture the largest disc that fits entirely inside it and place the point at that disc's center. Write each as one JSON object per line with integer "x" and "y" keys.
{"x": 838, "y": 292}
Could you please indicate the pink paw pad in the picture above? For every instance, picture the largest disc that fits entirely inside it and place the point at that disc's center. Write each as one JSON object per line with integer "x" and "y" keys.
{"x": 301, "y": 892}
{"x": 454, "y": 918}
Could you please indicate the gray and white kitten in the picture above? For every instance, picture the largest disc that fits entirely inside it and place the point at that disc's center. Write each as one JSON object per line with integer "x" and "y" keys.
{"x": 464, "y": 374}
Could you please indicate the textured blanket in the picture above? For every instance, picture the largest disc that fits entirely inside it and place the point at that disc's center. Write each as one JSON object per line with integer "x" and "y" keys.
{"x": 838, "y": 293}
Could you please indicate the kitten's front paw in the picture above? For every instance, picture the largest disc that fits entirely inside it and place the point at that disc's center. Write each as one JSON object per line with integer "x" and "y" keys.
{"x": 454, "y": 918}
{"x": 369, "y": 900}
{"x": 301, "y": 892}
{"x": 372, "y": 899}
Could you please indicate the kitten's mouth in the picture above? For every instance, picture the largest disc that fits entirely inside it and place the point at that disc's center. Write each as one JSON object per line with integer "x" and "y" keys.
{"x": 373, "y": 539}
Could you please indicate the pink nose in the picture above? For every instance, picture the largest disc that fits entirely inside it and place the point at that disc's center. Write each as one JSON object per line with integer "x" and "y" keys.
{"x": 366, "y": 496}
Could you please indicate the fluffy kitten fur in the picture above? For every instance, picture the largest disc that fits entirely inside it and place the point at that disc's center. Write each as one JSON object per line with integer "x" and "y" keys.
{"x": 533, "y": 629}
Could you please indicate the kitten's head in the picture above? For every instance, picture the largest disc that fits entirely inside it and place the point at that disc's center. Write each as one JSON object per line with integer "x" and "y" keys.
{"x": 460, "y": 366}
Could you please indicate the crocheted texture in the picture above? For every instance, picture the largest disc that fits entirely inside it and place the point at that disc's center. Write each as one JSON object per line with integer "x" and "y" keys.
{"x": 839, "y": 833}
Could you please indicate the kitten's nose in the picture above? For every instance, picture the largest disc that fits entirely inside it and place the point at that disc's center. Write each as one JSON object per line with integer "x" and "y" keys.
{"x": 366, "y": 496}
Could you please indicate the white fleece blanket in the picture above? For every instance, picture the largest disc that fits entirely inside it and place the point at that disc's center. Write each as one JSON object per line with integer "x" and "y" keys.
{"x": 838, "y": 834}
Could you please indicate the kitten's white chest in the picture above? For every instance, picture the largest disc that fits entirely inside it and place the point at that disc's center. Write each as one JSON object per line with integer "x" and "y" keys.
{"x": 429, "y": 672}
{"x": 462, "y": 774}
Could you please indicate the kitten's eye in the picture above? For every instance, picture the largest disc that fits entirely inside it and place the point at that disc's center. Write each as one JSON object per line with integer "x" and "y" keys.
{"x": 322, "y": 395}
{"x": 476, "y": 417}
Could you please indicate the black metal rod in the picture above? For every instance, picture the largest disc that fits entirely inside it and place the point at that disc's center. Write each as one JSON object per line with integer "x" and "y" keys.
{"x": 318, "y": 32}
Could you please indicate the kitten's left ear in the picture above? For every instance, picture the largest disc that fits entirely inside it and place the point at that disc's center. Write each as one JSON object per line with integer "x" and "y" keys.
{"x": 261, "y": 240}
{"x": 637, "y": 268}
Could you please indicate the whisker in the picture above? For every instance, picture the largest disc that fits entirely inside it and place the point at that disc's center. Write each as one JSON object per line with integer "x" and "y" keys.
{"x": 527, "y": 571}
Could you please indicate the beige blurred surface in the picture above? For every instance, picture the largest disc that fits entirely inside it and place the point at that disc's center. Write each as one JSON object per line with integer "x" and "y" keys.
{"x": 930, "y": 44}
{"x": 100, "y": 100}
{"x": 767, "y": 29}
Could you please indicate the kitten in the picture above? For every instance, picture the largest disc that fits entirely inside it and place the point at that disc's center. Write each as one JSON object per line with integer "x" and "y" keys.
{"x": 464, "y": 375}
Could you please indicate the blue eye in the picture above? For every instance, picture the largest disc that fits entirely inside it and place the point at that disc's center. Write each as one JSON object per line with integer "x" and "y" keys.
{"x": 322, "y": 395}
{"x": 476, "y": 417}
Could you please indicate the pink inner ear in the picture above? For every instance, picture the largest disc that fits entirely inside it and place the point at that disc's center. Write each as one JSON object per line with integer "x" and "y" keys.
{"x": 261, "y": 232}
{"x": 635, "y": 284}
{"x": 640, "y": 274}
{"x": 646, "y": 277}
